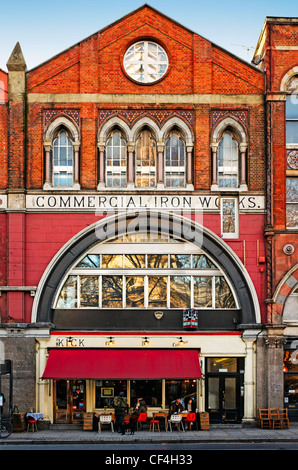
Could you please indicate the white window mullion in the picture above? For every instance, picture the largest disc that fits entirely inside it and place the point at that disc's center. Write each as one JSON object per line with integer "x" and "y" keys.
{"x": 100, "y": 291}
{"x": 78, "y": 291}
{"x": 213, "y": 291}
{"x": 146, "y": 291}
{"x": 124, "y": 291}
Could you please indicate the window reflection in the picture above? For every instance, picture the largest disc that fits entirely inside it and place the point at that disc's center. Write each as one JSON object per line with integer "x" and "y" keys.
{"x": 112, "y": 291}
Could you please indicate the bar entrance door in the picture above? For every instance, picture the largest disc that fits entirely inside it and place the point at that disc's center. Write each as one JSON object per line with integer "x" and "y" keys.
{"x": 69, "y": 401}
{"x": 224, "y": 397}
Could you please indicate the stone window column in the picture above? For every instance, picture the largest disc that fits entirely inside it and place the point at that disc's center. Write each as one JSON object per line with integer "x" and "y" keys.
{"x": 130, "y": 164}
{"x": 76, "y": 169}
{"x": 189, "y": 165}
{"x": 160, "y": 164}
{"x": 48, "y": 173}
{"x": 101, "y": 164}
{"x": 243, "y": 172}
{"x": 214, "y": 184}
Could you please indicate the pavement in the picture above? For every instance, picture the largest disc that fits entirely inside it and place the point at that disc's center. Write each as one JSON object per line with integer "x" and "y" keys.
{"x": 213, "y": 435}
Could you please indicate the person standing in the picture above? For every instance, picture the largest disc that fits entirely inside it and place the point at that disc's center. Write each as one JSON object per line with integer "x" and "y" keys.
{"x": 120, "y": 405}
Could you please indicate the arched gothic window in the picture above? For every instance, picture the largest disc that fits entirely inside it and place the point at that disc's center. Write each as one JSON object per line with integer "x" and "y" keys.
{"x": 145, "y": 160}
{"x": 174, "y": 161}
{"x": 63, "y": 161}
{"x": 61, "y": 144}
{"x": 228, "y": 162}
{"x": 292, "y": 153}
{"x": 116, "y": 161}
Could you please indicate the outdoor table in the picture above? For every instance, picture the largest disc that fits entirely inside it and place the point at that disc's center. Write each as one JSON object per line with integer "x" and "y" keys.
{"x": 162, "y": 415}
{"x": 35, "y": 416}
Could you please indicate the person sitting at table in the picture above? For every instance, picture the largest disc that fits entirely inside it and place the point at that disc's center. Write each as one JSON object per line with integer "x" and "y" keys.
{"x": 176, "y": 407}
{"x": 190, "y": 406}
{"x": 141, "y": 406}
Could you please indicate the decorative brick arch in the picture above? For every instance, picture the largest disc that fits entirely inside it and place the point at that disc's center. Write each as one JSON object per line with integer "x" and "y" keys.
{"x": 284, "y": 289}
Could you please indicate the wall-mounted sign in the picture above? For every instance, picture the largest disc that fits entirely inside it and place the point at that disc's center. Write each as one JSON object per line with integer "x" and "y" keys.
{"x": 118, "y": 202}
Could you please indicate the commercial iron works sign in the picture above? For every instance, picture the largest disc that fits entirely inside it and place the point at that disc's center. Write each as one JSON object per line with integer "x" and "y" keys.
{"x": 123, "y": 202}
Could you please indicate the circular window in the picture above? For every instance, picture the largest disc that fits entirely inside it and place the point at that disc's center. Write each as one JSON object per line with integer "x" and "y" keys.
{"x": 145, "y": 62}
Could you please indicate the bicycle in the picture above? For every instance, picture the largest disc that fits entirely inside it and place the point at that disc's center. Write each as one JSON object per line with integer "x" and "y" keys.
{"x": 6, "y": 427}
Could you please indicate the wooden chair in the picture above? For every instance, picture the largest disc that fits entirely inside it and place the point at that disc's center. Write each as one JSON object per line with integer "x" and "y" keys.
{"x": 264, "y": 419}
{"x": 283, "y": 413}
{"x": 276, "y": 421}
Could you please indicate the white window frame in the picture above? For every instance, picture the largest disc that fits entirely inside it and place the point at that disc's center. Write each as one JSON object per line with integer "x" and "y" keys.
{"x": 145, "y": 248}
{"x": 145, "y": 62}
{"x": 234, "y": 234}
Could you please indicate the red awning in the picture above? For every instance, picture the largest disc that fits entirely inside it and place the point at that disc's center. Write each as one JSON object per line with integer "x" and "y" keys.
{"x": 122, "y": 364}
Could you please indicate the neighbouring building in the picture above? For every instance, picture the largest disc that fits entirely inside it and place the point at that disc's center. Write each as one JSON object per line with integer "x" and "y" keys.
{"x": 277, "y": 54}
{"x": 134, "y": 232}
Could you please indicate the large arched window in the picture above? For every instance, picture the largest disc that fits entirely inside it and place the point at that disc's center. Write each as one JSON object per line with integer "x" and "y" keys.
{"x": 145, "y": 160}
{"x": 125, "y": 273}
{"x": 174, "y": 161}
{"x": 116, "y": 160}
{"x": 228, "y": 161}
{"x": 63, "y": 161}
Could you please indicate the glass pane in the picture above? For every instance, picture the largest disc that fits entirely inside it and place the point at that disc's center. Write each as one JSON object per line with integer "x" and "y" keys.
{"x": 292, "y": 107}
{"x": 68, "y": 294}
{"x": 228, "y": 215}
{"x": 89, "y": 291}
{"x": 90, "y": 261}
{"x": 290, "y": 361}
{"x": 230, "y": 393}
{"x": 134, "y": 291}
{"x": 180, "y": 291}
{"x": 112, "y": 261}
{"x": 106, "y": 390}
{"x": 202, "y": 287}
{"x": 292, "y": 189}
{"x": 157, "y": 291}
{"x": 184, "y": 389}
{"x": 202, "y": 262}
{"x": 78, "y": 395}
{"x": 180, "y": 261}
{"x": 112, "y": 291}
{"x": 292, "y": 132}
{"x": 149, "y": 390}
{"x": 157, "y": 261}
{"x": 221, "y": 364}
{"x": 223, "y": 294}
{"x": 291, "y": 389}
{"x": 290, "y": 312}
{"x": 213, "y": 393}
{"x": 61, "y": 394}
{"x": 134, "y": 261}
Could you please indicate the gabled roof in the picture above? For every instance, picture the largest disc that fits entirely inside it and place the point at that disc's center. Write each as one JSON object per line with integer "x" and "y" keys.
{"x": 158, "y": 13}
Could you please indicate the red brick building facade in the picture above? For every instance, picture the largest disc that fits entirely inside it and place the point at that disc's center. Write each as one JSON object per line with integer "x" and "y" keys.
{"x": 277, "y": 54}
{"x": 140, "y": 121}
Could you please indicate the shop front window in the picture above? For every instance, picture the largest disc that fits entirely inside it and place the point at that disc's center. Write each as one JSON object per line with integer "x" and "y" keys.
{"x": 184, "y": 389}
{"x": 149, "y": 390}
{"x": 106, "y": 390}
